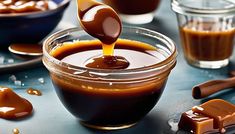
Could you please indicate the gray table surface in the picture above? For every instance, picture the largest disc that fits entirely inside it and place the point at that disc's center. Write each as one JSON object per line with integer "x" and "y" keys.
{"x": 50, "y": 117}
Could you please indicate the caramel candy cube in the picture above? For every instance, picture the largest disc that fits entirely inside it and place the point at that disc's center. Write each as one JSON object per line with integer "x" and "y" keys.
{"x": 212, "y": 116}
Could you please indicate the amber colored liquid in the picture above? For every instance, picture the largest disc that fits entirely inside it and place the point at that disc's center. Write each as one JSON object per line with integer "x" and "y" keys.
{"x": 12, "y": 106}
{"x": 205, "y": 44}
{"x": 26, "y": 48}
{"x": 102, "y": 22}
{"x": 104, "y": 103}
{"x": 32, "y": 91}
{"x": 133, "y": 6}
{"x": 81, "y": 52}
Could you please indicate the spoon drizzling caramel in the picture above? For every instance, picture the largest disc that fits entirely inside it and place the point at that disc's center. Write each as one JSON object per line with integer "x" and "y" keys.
{"x": 102, "y": 22}
{"x": 99, "y": 20}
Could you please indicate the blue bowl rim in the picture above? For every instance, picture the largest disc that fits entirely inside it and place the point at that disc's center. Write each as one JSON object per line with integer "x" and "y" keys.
{"x": 61, "y": 5}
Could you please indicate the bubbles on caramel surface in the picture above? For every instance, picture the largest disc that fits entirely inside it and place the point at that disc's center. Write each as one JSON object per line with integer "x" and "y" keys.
{"x": 108, "y": 62}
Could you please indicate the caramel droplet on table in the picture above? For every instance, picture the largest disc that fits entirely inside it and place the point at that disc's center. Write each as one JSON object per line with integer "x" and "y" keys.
{"x": 12, "y": 106}
{"x": 32, "y": 91}
{"x": 16, "y": 131}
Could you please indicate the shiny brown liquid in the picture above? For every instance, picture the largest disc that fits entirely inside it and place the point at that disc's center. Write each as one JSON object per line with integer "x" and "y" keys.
{"x": 205, "y": 44}
{"x": 32, "y": 91}
{"x": 102, "y": 22}
{"x": 80, "y": 53}
{"x": 101, "y": 103}
{"x": 12, "y": 106}
{"x": 133, "y": 7}
{"x": 99, "y": 21}
{"x": 22, "y": 6}
{"x": 108, "y": 62}
{"x": 26, "y": 48}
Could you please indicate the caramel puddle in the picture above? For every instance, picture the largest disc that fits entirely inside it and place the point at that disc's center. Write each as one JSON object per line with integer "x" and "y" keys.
{"x": 12, "y": 106}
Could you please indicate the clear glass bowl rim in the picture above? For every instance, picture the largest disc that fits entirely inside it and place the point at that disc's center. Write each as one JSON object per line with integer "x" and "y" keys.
{"x": 185, "y": 10}
{"x": 169, "y": 62}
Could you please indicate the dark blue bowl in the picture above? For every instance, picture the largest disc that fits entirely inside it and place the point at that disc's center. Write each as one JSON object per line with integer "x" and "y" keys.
{"x": 30, "y": 27}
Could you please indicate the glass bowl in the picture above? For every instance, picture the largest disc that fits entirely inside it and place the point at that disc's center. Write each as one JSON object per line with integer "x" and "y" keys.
{"x": 109, "y": 99}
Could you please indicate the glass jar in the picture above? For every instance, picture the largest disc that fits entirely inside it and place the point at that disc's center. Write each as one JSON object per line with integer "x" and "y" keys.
{"x": 206, "y": 30}
{"x": 134, "y": 11}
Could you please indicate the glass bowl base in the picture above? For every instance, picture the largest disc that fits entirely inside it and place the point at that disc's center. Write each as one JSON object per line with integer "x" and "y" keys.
{"x": 108, "y": 127}
{"x": 208, "y": 64}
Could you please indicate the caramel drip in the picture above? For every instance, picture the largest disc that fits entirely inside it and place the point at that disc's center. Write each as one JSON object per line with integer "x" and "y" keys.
{"x": 108, "y": 50}
{"x": 100, "y": 21}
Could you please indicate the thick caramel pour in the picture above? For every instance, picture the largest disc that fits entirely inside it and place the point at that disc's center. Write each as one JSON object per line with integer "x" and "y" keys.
{"x": 102, "y": 22}
{"x": 12, "y": 106}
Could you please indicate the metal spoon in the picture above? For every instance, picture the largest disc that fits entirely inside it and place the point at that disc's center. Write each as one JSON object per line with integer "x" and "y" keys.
{"x": 32, "y": 58}
{"x": 99, "y": 20}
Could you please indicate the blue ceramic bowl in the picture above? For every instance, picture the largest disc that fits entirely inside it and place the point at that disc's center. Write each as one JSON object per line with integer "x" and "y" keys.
{"x": 30, "y": 27}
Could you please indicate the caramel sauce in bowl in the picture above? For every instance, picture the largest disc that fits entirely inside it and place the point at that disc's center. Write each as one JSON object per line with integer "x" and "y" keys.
{"x": 109, "y": 98}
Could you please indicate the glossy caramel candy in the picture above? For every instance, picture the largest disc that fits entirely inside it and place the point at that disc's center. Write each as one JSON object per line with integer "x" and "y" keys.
{"x": 211, "y": 117}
